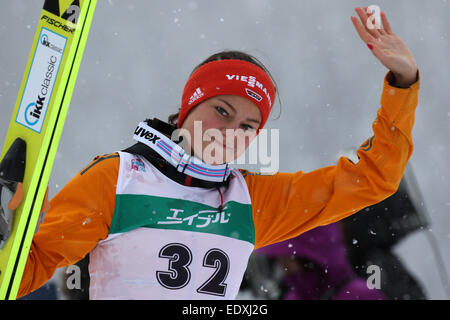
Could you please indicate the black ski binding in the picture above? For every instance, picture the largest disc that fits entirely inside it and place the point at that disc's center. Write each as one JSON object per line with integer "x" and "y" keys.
{"x": 12, "y": 170}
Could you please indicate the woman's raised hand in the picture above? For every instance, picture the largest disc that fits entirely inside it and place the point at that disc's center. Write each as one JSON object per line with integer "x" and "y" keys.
{"x": 386, "y": 46}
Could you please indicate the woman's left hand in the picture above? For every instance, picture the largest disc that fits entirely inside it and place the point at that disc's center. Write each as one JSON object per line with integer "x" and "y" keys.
{"x": 387, "y": 47}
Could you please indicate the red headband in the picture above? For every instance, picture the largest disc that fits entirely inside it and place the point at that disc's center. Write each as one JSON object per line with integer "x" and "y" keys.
{"x": 237, "y": 77}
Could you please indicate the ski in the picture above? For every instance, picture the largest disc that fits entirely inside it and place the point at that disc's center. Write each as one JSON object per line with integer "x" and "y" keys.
{"x": 35, "y": 129}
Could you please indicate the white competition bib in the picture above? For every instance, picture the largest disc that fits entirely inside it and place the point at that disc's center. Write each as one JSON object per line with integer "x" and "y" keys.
{"x": 169, "y": 241}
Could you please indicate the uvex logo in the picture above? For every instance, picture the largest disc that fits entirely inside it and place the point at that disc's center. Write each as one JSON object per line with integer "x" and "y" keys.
{"x": 143, "y": 133}
{"x": 67, "y": 9}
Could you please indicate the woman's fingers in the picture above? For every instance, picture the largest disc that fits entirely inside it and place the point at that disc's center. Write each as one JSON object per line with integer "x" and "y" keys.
{"x": 374, "y": 30}
{"x": 386, "y": 24}
{"x": 362, "y": 32}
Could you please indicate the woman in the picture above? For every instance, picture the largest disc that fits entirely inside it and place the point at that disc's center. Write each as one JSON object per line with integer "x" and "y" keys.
{"x": 161, "y": 221}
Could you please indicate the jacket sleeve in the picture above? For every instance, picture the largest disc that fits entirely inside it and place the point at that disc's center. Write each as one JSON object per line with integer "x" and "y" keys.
{"x": 79, "y": 216}
{"x": 287, "y": 204}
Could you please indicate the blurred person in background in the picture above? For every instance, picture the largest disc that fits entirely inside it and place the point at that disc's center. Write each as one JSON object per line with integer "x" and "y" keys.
{"x": 316, "y": 267}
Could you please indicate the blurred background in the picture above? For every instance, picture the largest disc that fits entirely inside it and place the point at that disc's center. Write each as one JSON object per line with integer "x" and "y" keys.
{"x": 140, "y": 53}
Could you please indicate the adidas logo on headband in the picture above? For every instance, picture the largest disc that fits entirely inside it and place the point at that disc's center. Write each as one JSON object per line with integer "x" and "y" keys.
{"x": 196, "y": 95}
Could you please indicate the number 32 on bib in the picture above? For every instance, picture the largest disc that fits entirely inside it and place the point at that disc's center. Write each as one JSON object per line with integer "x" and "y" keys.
{"x": 178, "y": 273}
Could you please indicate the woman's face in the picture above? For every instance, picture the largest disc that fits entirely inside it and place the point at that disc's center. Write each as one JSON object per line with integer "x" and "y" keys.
{"x": 221, "y": 128}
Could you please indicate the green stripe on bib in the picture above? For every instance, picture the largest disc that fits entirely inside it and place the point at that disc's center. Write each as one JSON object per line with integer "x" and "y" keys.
{"x": 134, "y": 211}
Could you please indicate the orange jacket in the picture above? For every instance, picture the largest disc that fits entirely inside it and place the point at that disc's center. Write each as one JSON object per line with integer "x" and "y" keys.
{"x": 284, "y": 204}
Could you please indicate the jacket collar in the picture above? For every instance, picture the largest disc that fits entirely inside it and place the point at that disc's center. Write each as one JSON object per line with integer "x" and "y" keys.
{"x": 169, "y": 158}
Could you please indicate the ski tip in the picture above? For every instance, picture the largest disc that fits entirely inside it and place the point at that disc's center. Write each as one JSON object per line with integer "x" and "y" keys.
{"x": 12, "y": 167}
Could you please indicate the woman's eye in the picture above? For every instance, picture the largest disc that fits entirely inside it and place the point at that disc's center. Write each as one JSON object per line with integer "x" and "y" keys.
{"x": 247, "y": 127}
{"x": 221, "y": 110}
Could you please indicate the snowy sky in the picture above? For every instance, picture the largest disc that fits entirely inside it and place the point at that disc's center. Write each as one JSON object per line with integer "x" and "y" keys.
{"x": 140, "y": 53}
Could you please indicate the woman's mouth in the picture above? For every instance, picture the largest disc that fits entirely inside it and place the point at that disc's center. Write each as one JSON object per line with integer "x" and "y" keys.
{"x": 220, "y": 143}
